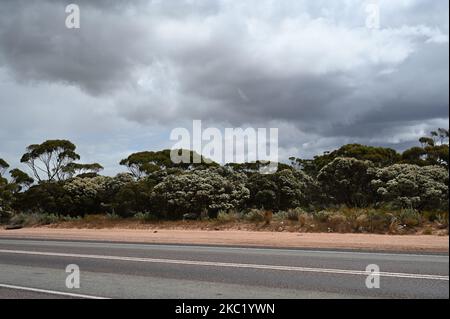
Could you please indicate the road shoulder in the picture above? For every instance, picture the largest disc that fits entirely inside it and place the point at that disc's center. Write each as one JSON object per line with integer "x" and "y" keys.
{"x": 370, "y": 242}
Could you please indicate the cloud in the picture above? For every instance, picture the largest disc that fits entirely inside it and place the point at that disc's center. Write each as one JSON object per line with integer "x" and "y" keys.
{"x": 140, "y": 68}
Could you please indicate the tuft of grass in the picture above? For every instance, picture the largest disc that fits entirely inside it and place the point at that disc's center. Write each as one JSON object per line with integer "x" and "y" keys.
{"x": 442, "y": 221}
{"x": 410, "y": 218}
{"x": 427, "y": 231}
{"x": 322, "y": 216}
{"x": 255, "y": 215}
{"x": 113, "y": 216}
{"x": 34, "y": 219}
{"x": 227, "y": 217}
{"x": 145, "y": 217}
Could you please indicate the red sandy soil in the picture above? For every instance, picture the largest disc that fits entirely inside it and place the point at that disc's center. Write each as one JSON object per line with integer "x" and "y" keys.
{"x": 403, "y": 243}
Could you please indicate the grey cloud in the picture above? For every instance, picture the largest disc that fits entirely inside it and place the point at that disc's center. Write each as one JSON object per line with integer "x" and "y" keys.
{"x": 308, "y": 67}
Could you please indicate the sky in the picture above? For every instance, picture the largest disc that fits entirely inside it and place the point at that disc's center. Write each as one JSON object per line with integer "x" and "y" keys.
{"x": 135, "y": 70}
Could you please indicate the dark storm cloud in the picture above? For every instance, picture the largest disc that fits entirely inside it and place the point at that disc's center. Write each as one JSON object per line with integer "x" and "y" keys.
{"x": 311, "y": 68}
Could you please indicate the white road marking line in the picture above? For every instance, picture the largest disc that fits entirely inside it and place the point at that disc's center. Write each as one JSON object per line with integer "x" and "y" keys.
{"x": 51, "y": 292}
{"x": 145, "y": 245}
{"x": 229, "y": 265}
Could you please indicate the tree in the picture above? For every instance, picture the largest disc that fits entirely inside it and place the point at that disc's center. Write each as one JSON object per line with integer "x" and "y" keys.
{"x": 443, "y": 135}
{"x": 146, "y": 163}
{"x": 257, "y": 167}
{"x": 21, "y": 179}
{"x": 50, "y": 158}
{"x": 82, "y": 170}
{"x": 434, "y": 136}
{"x": 434, "y": 150}
{"x": 283, "y": 190}
{"x": 198, "y": 191}
{"x": 426, "y": 141}
{"x": 412, "y": 186}
{"x": 415, "y": 155}
{"x": 379, "y": 156}
{"x": 3, "y": 166}
{"x": 347, "y": 181}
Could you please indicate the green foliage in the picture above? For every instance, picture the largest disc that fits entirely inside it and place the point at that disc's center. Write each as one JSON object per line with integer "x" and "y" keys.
{"x": 282, "y": 190}
{"x": 3, "y": 166}
{"x": 145, "y": 217}
{"x": 227, "y": 217}
{"x": 34, "y": 219}
{"x": 257, "y": 167}
{"x": 379, "y": 156}
{"x": 147, "y": 163}
{"x": 21, "y": 179}
{"x": 412, "y": 186}
{"x": 199, "y": 190}
{"x": 82, "y": 170}
{"x": 255, "y": 215}
{"x": 434, "y": 150}
{"x": 134, "y": 197}
{"x": 354, "y": 175}
{"x": 49, "y": 159}
{"x": 347, "y": 181}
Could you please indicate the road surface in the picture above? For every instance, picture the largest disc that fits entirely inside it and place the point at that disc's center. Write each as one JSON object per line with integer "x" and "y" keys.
{"x": 37, "y": 269}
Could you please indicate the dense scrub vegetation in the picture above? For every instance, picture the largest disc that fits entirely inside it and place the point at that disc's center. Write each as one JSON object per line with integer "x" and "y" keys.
{"x": 361, "y": 178}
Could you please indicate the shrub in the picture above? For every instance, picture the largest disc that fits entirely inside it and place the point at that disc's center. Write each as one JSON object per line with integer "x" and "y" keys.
{"x": 283, "y": 190}
{"x": 305, "y": 219}
{"x": 338, "y": 222}
{"x": 145, "y": 217}
{"x": 112, "y": 216}
{"x": 255, "y": 215}
{"x": 227, "y": 217}
{"x": 34, "y": 219}
{"x": 193, "y": 192}
{"x": 412, "y": 186}
{"x": 323, "y": 216}
{"x": 347, "y": 181}
{"x": 410, "y": 217}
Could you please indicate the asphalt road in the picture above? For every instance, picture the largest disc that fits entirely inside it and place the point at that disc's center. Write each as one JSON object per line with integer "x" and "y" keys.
{"x": 37, "y": 269}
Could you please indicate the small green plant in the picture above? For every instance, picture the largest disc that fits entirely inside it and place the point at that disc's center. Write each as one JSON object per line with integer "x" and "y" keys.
{"x": 145, "y": 217}
{"x": 47, "y": 219}
{"x": 112, "y": 216}
{"x": 294, "y": 214}
{"x": 409, "y": 217}
{"x": 255, "y": 215}
{"x": 70, "y": 218}
{"x": 323, "y": 216}
{"x": 338, "y": 222}
{"x": 428, "y": 231}
{"x": 442, "y": 221}
{"x": 226, "y": 217}
{"x": 34, "y": 219}
{"x": 280, "y": 216}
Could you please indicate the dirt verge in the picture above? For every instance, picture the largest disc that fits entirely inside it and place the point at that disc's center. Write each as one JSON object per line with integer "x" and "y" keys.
{"x": 405, "y": 243}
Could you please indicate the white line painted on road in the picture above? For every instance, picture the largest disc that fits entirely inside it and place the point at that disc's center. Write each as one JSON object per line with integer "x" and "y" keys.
{"x": 228, "y": 265}
{"x": 49, "y": 243}
{"x": 51, "y": 292}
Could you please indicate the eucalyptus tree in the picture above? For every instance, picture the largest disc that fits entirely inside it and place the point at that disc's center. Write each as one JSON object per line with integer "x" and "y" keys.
{"x": 48, "y": 160}
{"x": 146, "y": 163}
{"x": 3, "y": 166}
{"x": 21, "y": 179}
{"x": 83, "y": 170}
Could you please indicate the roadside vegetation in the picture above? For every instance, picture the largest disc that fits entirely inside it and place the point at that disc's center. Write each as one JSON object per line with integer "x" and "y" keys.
{"x": 356, "y": 188}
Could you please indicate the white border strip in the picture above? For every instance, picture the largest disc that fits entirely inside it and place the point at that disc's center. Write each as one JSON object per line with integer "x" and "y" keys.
{"x": 51, "y": 292}
{"x": 229, "y": 265}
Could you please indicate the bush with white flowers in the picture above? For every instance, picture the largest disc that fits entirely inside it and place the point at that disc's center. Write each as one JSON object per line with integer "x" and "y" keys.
{"x": 413, "y": 186}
